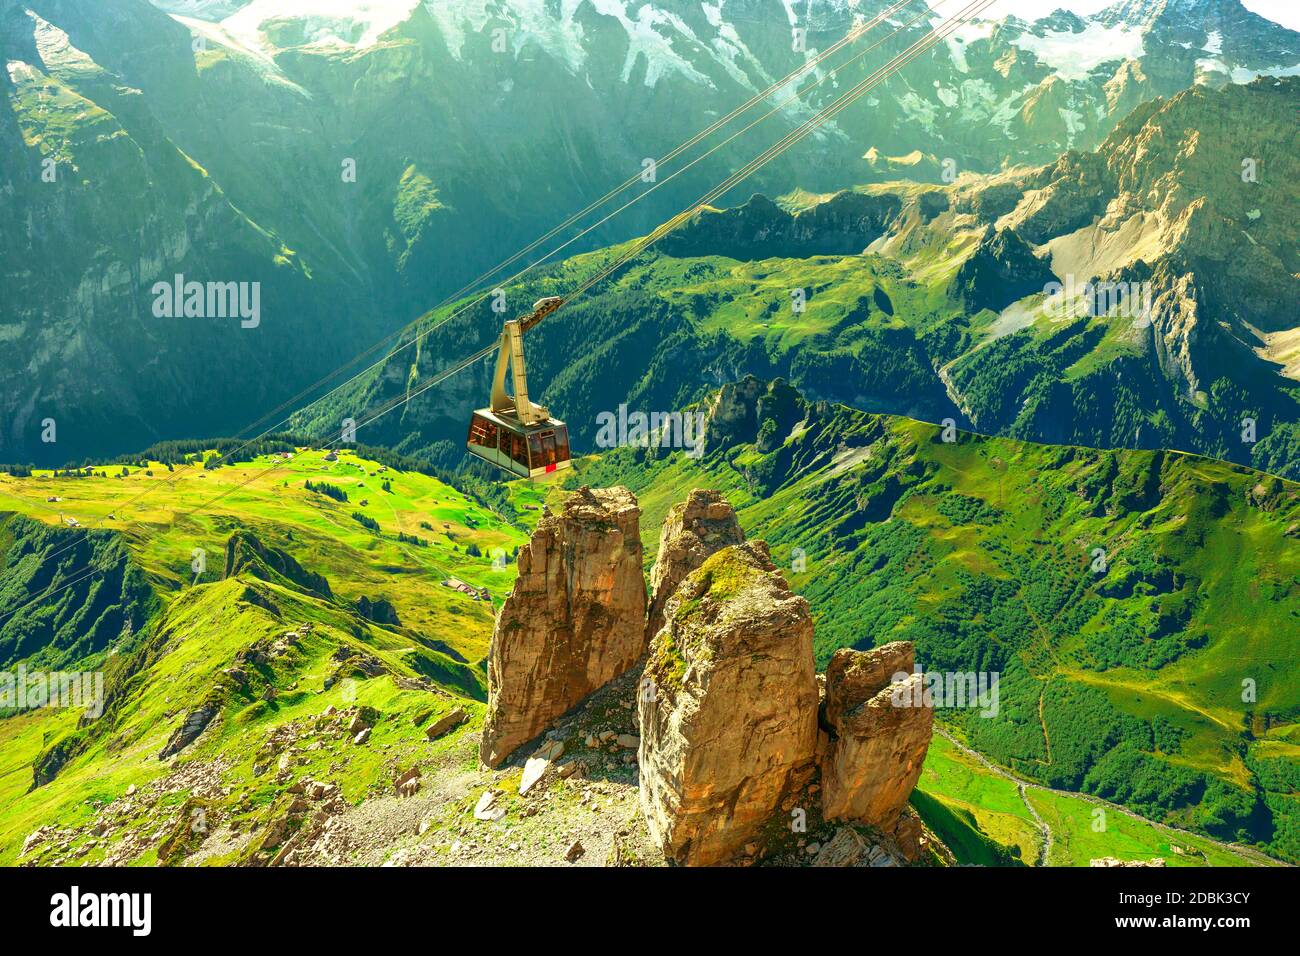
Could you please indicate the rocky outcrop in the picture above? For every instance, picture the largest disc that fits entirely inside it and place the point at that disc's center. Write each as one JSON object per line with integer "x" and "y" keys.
{"x": 247, "y": 554}
{"x": 738, "y": 412}
{"x": 843, "y": 224}
{"x": 880, "y": 731}
{"x": 574, "y": 620}
{"x": 195, "y": 722}
{"x": 728, "y": 713}
{"x": 692, "y": 531}
{"x": 1002, "y": 270}
{"x": 1113, "y": 861}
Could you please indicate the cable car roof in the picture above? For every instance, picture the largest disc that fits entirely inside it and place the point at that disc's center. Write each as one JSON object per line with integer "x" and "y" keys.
{"x": 514, "y": 424}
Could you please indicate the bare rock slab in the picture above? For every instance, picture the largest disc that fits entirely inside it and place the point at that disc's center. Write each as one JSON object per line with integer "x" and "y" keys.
{"x": 574, "y": 620}
{"x": 730, "y": 721}
{"x": 880, "y": 731}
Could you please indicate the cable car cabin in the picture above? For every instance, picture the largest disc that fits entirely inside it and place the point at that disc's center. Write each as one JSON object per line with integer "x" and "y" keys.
{"x": 513, "y": 432}
{"x": 529, "y": 451}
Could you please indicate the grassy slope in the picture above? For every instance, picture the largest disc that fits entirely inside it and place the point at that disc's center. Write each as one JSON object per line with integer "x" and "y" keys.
{"x": 205, "y": 625}
{"x": 1202, "y": 590}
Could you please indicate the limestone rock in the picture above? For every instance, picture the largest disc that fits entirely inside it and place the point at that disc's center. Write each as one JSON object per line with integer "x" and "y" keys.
{"x": 731, "y": 724}
{"x": 880, "y": 732}
{"x": 855, "y": 676}
{"x": 192, "y": 727}
{"x": 909, "y": 834}
{"x": 537, "y": 765}
{"x": 693, "y": 530}
{"x": 574, "y": 620}
{"x": 846, "y": 848}
{"x": 487, "y": 808}
{"x": 408, "y": 784}
{"x": 446, "y": 723}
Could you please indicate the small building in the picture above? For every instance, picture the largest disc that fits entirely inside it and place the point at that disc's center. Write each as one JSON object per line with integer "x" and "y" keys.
{"x": 477, "y": 594}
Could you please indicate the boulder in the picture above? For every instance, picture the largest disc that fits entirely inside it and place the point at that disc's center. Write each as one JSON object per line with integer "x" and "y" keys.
{"x": 855, "y": 676}
{"x": 730, "y": 726}
{"x": 403, "y": 783}
{"x": 692, "y": 531}
{"x": 574, "y": 620}
{"x": 909, "y": 834}
{"x": 846, "y": 848}
{"x": 1112, "y": 861}
{"x": 537, "y": 765}
{"x": 445, "y": 724}
{"x": 487, "y": 808}
{"x": 880, "y": 731}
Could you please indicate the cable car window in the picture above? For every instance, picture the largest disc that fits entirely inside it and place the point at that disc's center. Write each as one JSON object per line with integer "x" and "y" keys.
{"x": 518, "y": 449}
{"x": 535, "y": 448}
{"x": 548, "y": 448}
{"x": 562, "y": 444}
{"x": 483, "y": 432}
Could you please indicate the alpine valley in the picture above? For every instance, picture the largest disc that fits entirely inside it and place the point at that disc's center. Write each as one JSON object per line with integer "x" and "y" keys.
{"x": 997, "y": 373}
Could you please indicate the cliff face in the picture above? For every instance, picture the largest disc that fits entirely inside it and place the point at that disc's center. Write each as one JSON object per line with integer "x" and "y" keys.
{"x": 728, "y": 707}
{"x": 845, "y": 224}
{"x": 1002, "y": 270}
{"x": 574, "y": 620}
{"x": 693, "y": 530}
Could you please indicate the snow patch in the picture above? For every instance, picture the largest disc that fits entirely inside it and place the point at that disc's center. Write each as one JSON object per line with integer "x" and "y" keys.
{"x": 211, "y": 10}
{"x": 1072, "y": 56}
{"x": 919, "y": 111}
{"x": 1240, "y": 74}
{"x": 650, "y": 32}
{"x": 331, "y": 23}
{"x": 966, "y": 34}
{"x": 216, "y": 36}
{"x": 1074, "y": 124}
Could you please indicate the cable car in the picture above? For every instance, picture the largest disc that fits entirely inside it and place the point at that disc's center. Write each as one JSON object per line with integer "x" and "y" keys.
{"x": 513, "y": 433}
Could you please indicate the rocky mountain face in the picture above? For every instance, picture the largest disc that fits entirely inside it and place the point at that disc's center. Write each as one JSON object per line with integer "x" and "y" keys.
{"x": 845, "y": 224}
{"x": 1191, "y": 202}
{"x": 1135, "y": 296}
{"x": 727, "y": 698}
{"x": 108, "y": 205}
{"x": 1003, "y": 269}
{"x": 877, "y": 714}
{"x": 422, "y": 142}
{"x": 574, "y": 620}
{"x": 729, "y": 719}
{"x": 993, "y": 90}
